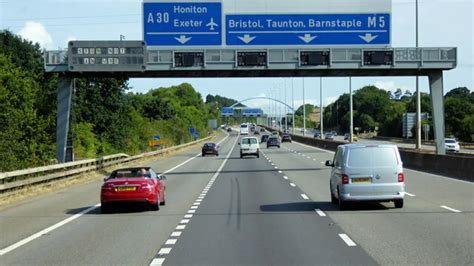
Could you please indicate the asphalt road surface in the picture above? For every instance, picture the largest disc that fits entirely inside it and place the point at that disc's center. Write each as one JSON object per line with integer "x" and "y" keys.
{"x": 272, "y": 210}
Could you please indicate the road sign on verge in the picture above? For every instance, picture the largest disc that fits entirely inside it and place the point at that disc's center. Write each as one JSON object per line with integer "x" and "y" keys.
{"x": 182, "y": 23}
{"x": 308, "y": 29}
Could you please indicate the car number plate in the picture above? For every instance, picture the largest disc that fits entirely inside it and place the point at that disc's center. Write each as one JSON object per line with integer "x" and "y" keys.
{"x": 361, "y": 180}
{"x": 127, "y": 188}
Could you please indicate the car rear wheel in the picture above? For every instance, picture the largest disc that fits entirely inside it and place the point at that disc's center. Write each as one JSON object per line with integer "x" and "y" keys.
{"x": 105, "y": 208}
{"x": 217, "y": 154}
{"x": 258, "y": 155}
{"x": 203, "y": 154}
{"x": 155, "y": 206}
{"x": 398, "y": 204}
{"x": 241, "y": 156}
{"x": 164, "y": 199}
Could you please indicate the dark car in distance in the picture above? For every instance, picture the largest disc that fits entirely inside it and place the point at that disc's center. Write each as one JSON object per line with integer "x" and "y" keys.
{"x": 286, "y": 138}
{"x": 273, "y": 141}
{"x": 210, "y": 148}
{"x": 264, "y": 138}
{"x": 229, "y": 129}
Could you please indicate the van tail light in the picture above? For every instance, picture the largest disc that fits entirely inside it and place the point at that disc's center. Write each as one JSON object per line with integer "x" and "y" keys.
{"x": 345, "y": 179}
{"x": 401, "y": 177}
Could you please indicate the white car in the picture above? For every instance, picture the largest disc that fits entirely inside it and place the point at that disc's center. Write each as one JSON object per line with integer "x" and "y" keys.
{"x": 244, "y": 129}
{"x": 451, "y": 145}
{"x": 249, "y": 146}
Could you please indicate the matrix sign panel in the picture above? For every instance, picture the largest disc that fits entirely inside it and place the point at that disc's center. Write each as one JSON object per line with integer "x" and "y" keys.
{"x": 178, "y": 23}
{"x": 106, "y": 56}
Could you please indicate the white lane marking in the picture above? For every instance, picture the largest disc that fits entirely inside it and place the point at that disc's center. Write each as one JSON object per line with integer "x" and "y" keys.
{"x": 314, "y": 159}
{"x": 196, "y": 203}
{"x": 444, "y": 177}
{"x": 47, "y": 230}
{"x": 170, "y": 242}
{"x": 409, "y": 194}
{"x": 270, "y": 161}
{"x": 191, "y": 211}
{"x": 285, "y": 177}
{"x": 184, "y": 221}
{"x": 276, "y": 167}
{"x": 304, "y": 145}
{"x": 202, "y": 195}
{"x": 292, "y": 184}
{"x": 180, "y": 227}
{"x": 450, "y": 209}
{"x": 164, "y": 251}
{"x": 322, "y": 162}
{"x": 188, "y": 216}
{"x": 348, "y": 240}
{"x": 194, "y": 207}
{"x": 304, "y": 196}
{"x": 157, "y": 262}
{"x": 280, "y": 172}
{"x": 320, "y": 212}
{"x": 198, "y": 200}
{"x": 176, "y": 233}
{"x": 273, "y": 164}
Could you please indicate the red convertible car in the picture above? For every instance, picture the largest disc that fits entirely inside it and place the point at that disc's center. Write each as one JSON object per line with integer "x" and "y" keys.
{"x": 130, "y": 185}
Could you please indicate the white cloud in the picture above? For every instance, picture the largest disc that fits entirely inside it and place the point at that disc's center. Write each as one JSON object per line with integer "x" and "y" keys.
{"x": 329, "y": 100}
{"x": 36, "y": 32}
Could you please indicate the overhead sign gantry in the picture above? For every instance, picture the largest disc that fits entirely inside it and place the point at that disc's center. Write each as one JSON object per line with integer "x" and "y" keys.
{"x": 248, "y": 38}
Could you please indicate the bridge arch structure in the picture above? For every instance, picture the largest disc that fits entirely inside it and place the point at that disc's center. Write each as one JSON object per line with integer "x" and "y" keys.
{"x": 262, "y": 98}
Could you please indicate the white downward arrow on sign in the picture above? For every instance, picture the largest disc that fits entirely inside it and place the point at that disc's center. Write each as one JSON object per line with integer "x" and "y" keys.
{"x": 368, "y": 37}
{"x": 246, "y": 38}
{"x": 182, "y": 39}
{"x": 307, "y": 38}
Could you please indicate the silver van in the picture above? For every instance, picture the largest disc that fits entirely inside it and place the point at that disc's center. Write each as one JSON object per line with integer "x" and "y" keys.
{"x": 367, "y": 173}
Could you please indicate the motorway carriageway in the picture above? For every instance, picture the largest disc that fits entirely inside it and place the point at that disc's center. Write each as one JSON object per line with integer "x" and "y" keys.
{"x": 224, "y": 210}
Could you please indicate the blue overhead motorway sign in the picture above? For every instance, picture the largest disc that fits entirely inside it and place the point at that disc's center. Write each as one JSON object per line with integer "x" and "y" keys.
{"x": 182, "y": 23}
{"x": 308, "y": 29}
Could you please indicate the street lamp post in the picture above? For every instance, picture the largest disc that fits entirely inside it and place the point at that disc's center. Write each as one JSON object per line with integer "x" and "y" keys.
{"x": 321, "y": 109}
{"x": 293, "y": 103}
{"x": 351, "y": 131}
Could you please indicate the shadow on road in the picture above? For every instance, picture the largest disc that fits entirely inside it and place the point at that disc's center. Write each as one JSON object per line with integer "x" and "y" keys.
{"x": 122, "y": 208}
{"x": 311, "y": 206}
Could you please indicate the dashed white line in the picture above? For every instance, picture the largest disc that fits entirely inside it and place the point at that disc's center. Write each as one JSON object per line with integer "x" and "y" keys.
{"x": 348, "y": 240}
{"x": 180, "y": 227}
{"x": 292, "y": 184}
{"x": 188, "y": 216}
{"x": 170, "y": 242}
{"x": 285, "y": 177}
{"x": 194, "y": 207}
{"x": 304, "y": 196}
{"x": 176, "y": 233}
{"x": 196, "y": 203}
{"x": 191, "y": 211}
{"x": 157, "y": 262}
{"x": 450, "y": 209}
{"x": 184, "y": 221}
{"x": 320, "y": 212}
{"x": 164, "y": 251}
{"x": 198, "y": 200}
{"x": 280, "y": 172}
{"x": 276, "y": 167}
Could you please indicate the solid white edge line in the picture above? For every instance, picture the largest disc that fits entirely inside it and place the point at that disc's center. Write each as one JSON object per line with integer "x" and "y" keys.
{"x": 320, "y": 212}
{"x": 409, "y": 194}
{"x": 46, "y": 230}
{"x": 157, "y": 262}
{"x": 450, "y": 209}
{"x": 348, "y": 240}
{"x": 304, "y": 196}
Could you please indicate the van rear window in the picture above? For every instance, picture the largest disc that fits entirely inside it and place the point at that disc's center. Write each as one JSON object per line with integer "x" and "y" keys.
{"x": 243, "y": 126}
{"x": 249, "y": 141}
{"x": 372, "y": 157}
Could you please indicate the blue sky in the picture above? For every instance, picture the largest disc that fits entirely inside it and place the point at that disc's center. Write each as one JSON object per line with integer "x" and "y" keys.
{"x": 443, "y": 23}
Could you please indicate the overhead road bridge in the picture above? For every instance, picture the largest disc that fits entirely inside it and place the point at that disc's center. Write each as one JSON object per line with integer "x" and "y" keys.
{"x": 132, "y": 59}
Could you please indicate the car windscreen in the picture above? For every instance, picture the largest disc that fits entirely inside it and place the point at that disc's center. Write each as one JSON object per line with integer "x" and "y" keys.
{"x": 209, "y": 145}
{"x": 126, "y": 174}
{"x": 372, "y": 157}
{"x": 243, "y": 126}
{"x": 249, "y": 141}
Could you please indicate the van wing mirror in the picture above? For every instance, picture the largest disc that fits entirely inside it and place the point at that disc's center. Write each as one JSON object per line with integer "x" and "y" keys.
{"x": 329, "y": 163}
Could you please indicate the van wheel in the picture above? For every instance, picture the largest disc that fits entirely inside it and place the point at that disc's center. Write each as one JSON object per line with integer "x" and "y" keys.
{"x": 398, "y": 204}
{"x": 241, "y": 156}
{"x": 342, "y": 204}
{"x": 258, "y": 155}
{"x": 333, "y": 199}
{"x": 203, "y": 154}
